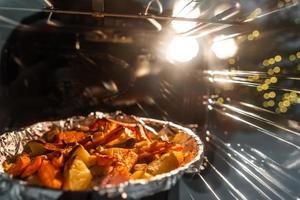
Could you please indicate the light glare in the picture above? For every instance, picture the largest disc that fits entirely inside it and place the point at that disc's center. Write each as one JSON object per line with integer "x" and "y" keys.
{"x": 182, "y": 49}
{"x": 184, "y": 8}
{"x": 224, "y": 49}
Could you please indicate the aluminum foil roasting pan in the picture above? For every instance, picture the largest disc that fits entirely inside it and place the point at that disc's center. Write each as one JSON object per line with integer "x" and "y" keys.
{"x": 11, "y": 143}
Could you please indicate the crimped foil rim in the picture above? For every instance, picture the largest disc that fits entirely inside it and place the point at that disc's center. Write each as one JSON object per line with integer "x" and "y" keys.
{"x": 133, "y": 189}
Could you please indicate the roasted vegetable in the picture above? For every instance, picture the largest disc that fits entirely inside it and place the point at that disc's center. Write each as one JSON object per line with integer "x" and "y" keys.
{"x": 33, "y": 167}
{"x": 141, "y": 175}
{"x": 81, "y": 153}
{"x": 51, "y": 135}
{"x": 49, "y": 175}
{"x": 125, "y": 156}
{"x": 165, "y": 163}
{"x": 77, "y": 175}
{"x": 19, "y": 166}
{"x": 35, "y": 147}
{"x": 68, "y": 137}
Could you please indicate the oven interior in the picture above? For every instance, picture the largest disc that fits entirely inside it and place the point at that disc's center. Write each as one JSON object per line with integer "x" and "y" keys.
{"x": 227, "y": 69}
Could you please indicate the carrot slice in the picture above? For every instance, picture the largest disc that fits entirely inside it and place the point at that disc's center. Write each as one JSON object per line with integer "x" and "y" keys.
{"x": 49, "y": 175}
{"x": 21, "y": 163}
{"x": 54, "y": 147}
{"x": 33, "y": 167}
{"x": 103, "y": 138}
{"x": 100, "y": 125}
{"x": 119, "y": 175}
{"x": 70, "y": 137}
{"x": 104, "y": 160}
{"x": 58, "y": 161}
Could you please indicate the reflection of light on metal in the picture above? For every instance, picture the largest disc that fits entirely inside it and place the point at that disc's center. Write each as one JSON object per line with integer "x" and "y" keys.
{"x": 143, "y": 66}
{"x": 187, "y": 9}
{"x": 182, "y": 49}
{"x": 48, "y": 3}
{"x": 224, "y": 48}
{"x": 110, "y": 86}
{"x": 155, "y": 23}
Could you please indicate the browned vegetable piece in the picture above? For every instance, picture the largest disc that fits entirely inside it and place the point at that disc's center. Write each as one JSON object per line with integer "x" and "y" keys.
{"x": 35, "y": 147}
{"x": 19, "y": 166}
{"x": 105, "y": 160}
{"x": 124, "y": 139}
{"x": 101, "y": 170}
{"x": 101, "y": 138}
{"x": 77, "y": 176}
{"x": 68, "y": 137}
{"x": 54, "y": 147}
{"x": 49, "y": 175}
{"x": 33, "y": 167}
{"x": 140, "y": 175}
{"x": 81, "y": 153}
{"x": 126, "y": 156}
{"x": 103, "y": 125}
{"x": 50, "y": 136}
{"x": 58, "y": 161}
{"x": 140, "y": 167}
{"x": 148, "y": 153}
{"x": 165, "y": 163}
{"x": 118, "y": 175}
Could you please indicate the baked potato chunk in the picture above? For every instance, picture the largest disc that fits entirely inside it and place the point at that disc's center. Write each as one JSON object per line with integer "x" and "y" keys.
{"x": 126, "y": 156}
{"x": 81, "y": 153}
{"x": 77, "y": 175}
{"x": 165, "y": 163}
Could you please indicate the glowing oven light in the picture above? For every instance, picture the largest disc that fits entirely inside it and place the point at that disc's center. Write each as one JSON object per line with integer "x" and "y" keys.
{"x": 187, "y": 9}
{"x": 224, "y": 49}
{"x": 182, "y": 49}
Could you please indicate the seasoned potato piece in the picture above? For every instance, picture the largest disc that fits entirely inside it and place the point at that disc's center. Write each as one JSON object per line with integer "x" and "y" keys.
{"x": 179, "y": 156}
{"x": 101, "y": 170}
{"x": 81, "y": 153}
{"x": 105, "y": 160}
{"x": 119, "y": 175}
{"x": 137, "y": 175}
{"x": 140, "y": 175}
{"x": 165, "y": 163}
{"x": 126, "y": 156}
{"x": 77, "y": 176}
{"x": 140, "y": 167}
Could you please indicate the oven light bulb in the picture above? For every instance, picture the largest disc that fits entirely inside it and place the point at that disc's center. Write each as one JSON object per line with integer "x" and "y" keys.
{"x": 224, "y": 49}
{"x": 182, "y": 49}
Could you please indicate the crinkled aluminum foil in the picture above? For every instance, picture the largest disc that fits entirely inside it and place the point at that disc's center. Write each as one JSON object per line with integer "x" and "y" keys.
{"x": 11, "y": 143}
